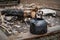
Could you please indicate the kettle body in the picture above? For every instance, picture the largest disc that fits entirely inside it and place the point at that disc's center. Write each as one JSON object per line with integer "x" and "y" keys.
{"x": 38, "y": 26}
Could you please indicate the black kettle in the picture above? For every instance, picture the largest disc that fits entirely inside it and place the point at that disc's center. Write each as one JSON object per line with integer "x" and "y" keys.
{"x": 38, "y": 26}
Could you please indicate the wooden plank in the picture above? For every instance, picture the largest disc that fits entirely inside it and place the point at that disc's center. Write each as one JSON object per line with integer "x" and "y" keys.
{"x": 51, "y": 31}
{"x": 43, "y": 35}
